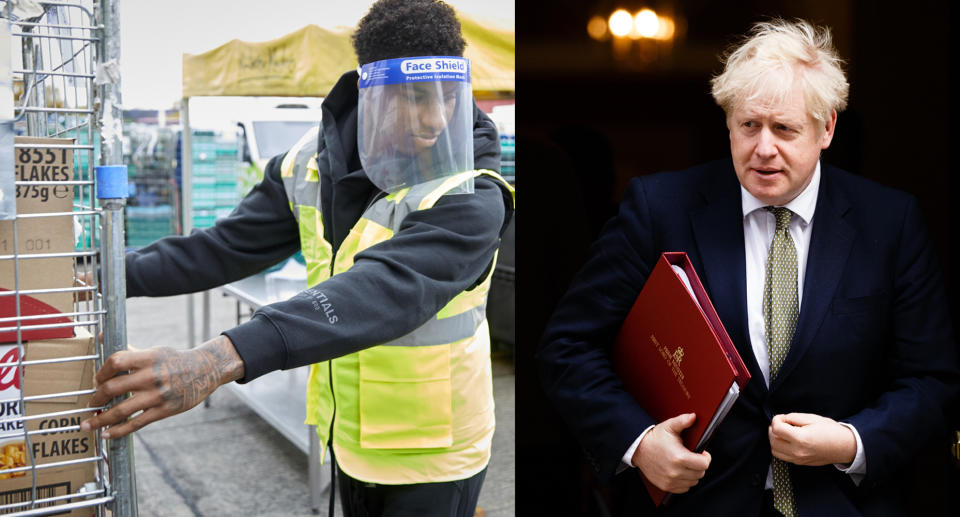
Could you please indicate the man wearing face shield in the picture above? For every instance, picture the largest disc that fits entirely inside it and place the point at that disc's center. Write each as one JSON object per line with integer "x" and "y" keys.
{"x": 397, "y": 209}
{"x": 415, "y": 121}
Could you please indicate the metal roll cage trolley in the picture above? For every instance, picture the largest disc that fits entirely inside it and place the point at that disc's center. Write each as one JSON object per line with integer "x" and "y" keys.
{"x": 69, "y": 89}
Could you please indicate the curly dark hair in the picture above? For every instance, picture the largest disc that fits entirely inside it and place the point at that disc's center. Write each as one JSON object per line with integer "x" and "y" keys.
{"x": 407, "y": 28}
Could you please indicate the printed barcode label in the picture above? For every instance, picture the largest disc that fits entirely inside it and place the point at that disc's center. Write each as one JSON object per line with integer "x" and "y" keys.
{"x": 23, "y": 495}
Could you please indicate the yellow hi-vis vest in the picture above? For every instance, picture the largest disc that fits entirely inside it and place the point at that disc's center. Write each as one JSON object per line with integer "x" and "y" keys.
{"x": 418, "y": 409}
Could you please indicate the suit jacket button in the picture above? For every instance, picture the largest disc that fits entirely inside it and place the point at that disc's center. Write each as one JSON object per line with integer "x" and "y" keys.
{"x": 755, "y": 480}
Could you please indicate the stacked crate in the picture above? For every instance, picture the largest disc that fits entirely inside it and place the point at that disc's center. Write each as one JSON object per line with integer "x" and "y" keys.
{"x": 204, "y": 167}
{"x": 146, "y": 224}
{"x": 151, "y": 165}
{"x": 508, "y": 156}
{"x": 86, "y": 237}
{"x": 215, "y": 165}
{"x": 227, "y": 166}
{"x": 504, "y": 116}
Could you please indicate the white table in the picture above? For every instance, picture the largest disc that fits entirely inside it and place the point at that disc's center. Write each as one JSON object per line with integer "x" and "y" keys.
{"x": 278, "y": 397}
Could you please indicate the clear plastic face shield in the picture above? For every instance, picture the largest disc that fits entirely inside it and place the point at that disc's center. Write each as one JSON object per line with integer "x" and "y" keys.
{"x": 415, "y": 121}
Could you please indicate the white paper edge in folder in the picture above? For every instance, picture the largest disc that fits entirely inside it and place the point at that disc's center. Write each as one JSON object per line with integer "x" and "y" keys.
{"x": 722, "y": 410}
{"x": 734, "y": 390}
{"x": 686, "y": 281}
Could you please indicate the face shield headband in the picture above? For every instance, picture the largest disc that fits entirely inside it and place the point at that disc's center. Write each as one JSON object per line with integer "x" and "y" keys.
{"x": 415, "y": 121}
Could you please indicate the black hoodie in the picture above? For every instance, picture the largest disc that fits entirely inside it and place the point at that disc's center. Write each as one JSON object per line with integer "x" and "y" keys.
{"x": 392, "y": 288}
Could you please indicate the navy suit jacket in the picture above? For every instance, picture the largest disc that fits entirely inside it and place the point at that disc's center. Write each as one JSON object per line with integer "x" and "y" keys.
{"x": 873, "y": 345}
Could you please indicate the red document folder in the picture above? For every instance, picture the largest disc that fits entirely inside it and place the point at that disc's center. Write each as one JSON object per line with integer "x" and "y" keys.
{"x": 675, "y": 357}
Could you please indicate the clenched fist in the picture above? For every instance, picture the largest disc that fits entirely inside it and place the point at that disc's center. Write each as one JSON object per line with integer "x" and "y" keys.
{"x": 665, "y": 461}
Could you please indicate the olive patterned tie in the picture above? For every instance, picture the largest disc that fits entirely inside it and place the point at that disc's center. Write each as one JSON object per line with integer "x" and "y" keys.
{"x": 780, "y": 310}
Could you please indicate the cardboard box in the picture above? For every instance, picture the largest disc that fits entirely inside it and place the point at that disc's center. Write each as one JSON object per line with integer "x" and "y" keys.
{"x": 39, "y": 235}
{"x": 44, "y": 379}
{"x": 54, "y": 482}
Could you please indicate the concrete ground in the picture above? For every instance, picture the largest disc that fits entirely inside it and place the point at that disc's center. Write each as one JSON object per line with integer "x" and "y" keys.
{"x": 224, "y": 460}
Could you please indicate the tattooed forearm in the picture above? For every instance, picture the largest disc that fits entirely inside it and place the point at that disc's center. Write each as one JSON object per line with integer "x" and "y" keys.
{"x": 186, "y": 378}
{"x": 226, "y": 358}
{"x": 162, "y": 381}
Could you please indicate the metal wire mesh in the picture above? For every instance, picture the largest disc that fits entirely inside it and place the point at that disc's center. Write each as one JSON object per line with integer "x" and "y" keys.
{"x": 56, "y": 96}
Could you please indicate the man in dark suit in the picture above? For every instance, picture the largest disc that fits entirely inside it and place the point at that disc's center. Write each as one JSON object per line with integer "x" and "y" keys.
{"x": 826, "y": 283}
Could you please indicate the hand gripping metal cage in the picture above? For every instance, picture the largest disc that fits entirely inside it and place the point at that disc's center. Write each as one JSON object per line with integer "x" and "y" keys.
{"x": 67, "y": 85}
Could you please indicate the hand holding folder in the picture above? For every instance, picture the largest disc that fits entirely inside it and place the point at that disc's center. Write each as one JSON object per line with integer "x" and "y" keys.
{"x": 664, "y": 460}
{"x": 674, "y": 356}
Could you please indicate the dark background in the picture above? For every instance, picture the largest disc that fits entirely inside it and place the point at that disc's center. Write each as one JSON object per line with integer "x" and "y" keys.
{"x": 588, "y": 122}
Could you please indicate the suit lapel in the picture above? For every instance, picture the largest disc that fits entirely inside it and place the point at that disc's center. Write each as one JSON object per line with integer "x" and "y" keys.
{"x": 829, "y": 247}
{"x": 715, "y": 226}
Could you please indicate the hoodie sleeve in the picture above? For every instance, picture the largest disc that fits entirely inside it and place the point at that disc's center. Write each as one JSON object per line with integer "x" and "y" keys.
{"x": 260, "y": 232}
{"x": 393, "y": 287}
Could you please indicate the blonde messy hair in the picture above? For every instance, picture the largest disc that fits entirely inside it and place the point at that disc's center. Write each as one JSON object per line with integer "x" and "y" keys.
{"x": 803, "y": 55}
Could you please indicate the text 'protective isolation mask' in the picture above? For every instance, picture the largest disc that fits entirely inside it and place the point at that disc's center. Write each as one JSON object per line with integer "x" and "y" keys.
{"x": 415, "y": 121}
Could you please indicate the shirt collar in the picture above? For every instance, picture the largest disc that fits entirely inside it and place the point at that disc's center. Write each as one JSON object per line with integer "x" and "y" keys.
{"x": 803, "y": 205}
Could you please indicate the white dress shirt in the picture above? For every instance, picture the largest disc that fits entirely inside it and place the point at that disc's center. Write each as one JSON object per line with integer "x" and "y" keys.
{"x": 758, "y": 229}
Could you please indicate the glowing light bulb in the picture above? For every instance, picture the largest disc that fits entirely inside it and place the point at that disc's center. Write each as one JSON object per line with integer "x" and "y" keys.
{"x": 646, "y": 23}
{"x": 620, "y": 23}
{"x": 597, "y": 27}
{"x": 666, "y": 29}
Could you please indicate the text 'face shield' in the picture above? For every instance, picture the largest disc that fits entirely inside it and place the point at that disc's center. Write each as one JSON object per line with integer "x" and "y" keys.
{"x": 415, "y": 121}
